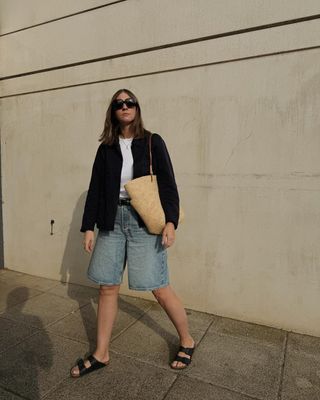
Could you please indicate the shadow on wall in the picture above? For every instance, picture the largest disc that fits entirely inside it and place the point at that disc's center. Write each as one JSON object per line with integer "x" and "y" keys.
{"x": 75, "y": 260}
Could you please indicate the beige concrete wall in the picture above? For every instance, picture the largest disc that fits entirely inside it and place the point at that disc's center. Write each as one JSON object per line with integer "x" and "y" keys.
{"x": 239, "y": 114}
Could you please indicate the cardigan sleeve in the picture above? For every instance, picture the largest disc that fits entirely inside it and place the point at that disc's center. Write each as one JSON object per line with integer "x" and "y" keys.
{"x": 92, "y": 201}
{"x": 168, "y": 191}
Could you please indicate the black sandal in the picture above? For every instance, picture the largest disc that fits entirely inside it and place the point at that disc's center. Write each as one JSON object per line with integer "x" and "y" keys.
{"x": 185, "y": 360}
{"x": 83, "y": 370}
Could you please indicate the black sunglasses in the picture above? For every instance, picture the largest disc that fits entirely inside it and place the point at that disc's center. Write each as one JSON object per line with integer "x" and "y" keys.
{"x": 118, "y": 104}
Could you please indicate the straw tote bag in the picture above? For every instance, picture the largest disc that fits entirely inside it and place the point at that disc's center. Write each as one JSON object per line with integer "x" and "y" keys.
{"x": 144, "y": 194}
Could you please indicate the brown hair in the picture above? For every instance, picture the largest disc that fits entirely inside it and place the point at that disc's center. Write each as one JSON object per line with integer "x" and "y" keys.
{"x": 111, "y": 129}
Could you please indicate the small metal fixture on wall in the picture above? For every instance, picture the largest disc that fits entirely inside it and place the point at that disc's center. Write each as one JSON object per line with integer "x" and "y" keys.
{"x": 51, "y": 223}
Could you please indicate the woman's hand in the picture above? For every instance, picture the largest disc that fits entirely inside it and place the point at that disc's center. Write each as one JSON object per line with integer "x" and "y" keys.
{"x": 168, "y": 235}
{"x": 88, "y": 241}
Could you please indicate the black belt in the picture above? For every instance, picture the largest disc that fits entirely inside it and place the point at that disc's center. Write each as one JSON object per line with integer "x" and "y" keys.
{"x": 124, "y": 202}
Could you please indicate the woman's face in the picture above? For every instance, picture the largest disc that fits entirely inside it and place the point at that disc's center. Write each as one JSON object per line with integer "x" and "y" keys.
{"x": 125, "y": 115}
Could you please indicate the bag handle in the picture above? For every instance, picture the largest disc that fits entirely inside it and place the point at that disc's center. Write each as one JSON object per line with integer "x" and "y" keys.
{"x": 150, "y": 154}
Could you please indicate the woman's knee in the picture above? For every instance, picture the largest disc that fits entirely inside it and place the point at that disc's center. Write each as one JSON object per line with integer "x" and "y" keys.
{"x": 161, "y": 294}
{"x": 109, "y": 290}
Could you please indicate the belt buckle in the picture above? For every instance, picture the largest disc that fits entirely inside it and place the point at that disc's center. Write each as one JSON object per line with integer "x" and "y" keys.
{"x": 124, "y": 202}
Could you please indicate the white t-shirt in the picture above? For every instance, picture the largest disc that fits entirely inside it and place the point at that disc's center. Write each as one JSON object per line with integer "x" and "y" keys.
{"x": 127, "y": 166}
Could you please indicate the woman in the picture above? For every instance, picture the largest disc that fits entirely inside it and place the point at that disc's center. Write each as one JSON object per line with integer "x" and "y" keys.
{"x": 124, "y": 155}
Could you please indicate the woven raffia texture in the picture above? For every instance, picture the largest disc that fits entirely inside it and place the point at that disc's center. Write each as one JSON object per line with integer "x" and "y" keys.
{"x": 145, "y": 200}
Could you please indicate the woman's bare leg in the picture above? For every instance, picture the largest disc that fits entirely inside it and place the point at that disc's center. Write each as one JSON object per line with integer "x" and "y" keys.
{"x": 172, "y": 305}
{"x": 107, "y": 312}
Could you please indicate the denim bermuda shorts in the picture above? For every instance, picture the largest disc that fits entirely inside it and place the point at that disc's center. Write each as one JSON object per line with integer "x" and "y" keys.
{"x": 129, "y": 244}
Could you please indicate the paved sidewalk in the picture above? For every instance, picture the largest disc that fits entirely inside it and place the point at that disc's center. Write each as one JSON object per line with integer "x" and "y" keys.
{"x": 46, "y": 325}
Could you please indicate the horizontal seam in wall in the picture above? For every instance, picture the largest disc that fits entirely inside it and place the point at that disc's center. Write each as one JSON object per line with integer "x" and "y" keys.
{"x": 164, "y": 46}
{"x": 164, "y": 71}
{"x": 63, "y": 17}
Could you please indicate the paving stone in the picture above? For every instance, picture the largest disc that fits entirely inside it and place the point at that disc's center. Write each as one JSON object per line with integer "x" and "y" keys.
{"x": 248, "y": 331}
{"x": 81, "y": 325}
{"x": 79, "y": 293}
{"x": 12, "y": 332}
{"x": 42, "y": 310}
{"x": 123, "y": 379}
{"x": 304, "y": 343}
{"x": 11, "y": 294}
{"x": 35, "y": 366}
{"x": 191, "y": 389}
{"x": 301, "y": 379}
{"x": 4, "y": 395}
{"x": 241, "y": 365}
{"x": 158, "y": 335}
{"x": 30, "y": 281}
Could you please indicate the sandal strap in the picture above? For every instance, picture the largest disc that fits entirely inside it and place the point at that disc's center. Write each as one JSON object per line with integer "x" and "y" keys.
{"x": 187, "y": 350}
{"x": 184, "y": 360}
{"x": 94, "y": 362}
{"x": 81, "y": 366}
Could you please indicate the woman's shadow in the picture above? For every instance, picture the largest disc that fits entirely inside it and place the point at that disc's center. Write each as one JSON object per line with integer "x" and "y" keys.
{"x": 73, "y": 271}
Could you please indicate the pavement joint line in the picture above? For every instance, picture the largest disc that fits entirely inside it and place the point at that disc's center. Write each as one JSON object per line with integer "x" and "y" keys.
{"x": 218, "y": 386}
{"x": 56, "y": 386}
{"x": 66, "y": 337}
{"x": 170, "y": 387}
{"x": 81, "y": 341}
{"x": 21, "y": 302}
{"x": 131, "y": 324}
{"x": 71, "y": 298}
{"x": 61, "y": 318}
{"x": 82, "y": 306}
{"x": 149, "y": 363}
{"x": 247, "y": 340}
{"x": 65, "y": 298}
{"x": 45, "y": 328}
{"x": 285, "y": 347}
{"x": 14, "y": 393}
{"x": 8, "y": 271}
{"x": 21, "y": 341}
{"x": 255, "y": 341}
{"x": 19, "y": 285}
{"x": 225, "y": 388}
{"x": 50, "y": 323}
{"x": 66, "y": 315}
{"x": 47, "y": 325}
{"x": 70, "y": 284}
{"x": 206, "y": 331}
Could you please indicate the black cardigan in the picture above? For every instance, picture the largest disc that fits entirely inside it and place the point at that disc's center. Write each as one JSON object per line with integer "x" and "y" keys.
{"x": 103, "y": 194}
